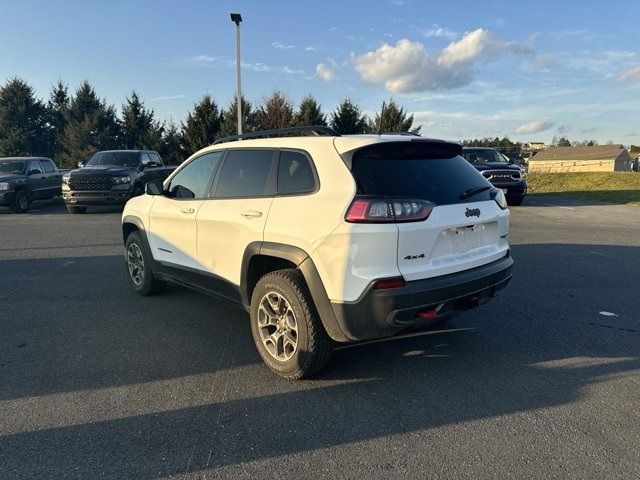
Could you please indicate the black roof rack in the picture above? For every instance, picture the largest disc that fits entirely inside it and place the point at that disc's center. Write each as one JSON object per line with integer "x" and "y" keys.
{"x": 315, "y": 130}
{"x": 406, "y": 134}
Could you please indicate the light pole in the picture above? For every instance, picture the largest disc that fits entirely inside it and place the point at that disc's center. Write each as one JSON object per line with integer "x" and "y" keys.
{"x": 237, "y": 18}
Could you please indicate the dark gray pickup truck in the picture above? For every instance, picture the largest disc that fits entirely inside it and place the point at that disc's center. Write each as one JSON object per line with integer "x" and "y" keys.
{"x": 24, "y": 179}
{"x": 111, "y": 178}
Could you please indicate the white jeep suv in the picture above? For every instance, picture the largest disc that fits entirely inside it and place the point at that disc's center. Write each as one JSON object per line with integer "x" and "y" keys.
{"x": 324, "y": 238}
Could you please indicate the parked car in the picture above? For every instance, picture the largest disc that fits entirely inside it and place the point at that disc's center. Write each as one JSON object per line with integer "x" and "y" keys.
{"x": 495, "y": 167}
{"x": 515, "y": 158}
{"x": 25, "y": 179}
{"x": 323, "y": 239}
{"x": 111, "y": 178}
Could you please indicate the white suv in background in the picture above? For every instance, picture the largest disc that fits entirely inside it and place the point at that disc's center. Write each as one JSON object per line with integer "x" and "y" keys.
{"x": 323, "y": 238}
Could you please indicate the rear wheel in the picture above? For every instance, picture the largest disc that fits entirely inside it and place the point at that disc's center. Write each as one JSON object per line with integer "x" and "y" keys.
{"x": 20, "y": 202}
{"x": 138, "y": 263}
{"x": 286, "y": 327}
{"x": 75, "y": 210}
{"x": 515, "y": 201}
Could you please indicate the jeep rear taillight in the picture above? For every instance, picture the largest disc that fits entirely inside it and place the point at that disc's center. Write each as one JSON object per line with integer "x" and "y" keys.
{"x": 387, "y": 210}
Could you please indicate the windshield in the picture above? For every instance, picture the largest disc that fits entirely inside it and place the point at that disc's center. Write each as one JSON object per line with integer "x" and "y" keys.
{"x": 120, "y": 159}
{"x": 483, "y": 156}
{"x": 12, "y": 166}
{"x": 414, "y": 170}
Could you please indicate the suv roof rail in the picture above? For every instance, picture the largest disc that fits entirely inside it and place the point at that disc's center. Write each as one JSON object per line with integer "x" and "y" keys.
{"x": 317, "y": 130}
{"x": 406, "y": 134}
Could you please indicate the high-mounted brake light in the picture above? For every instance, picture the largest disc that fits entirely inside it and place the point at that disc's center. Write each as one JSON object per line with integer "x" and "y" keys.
{"x": 384, "y": 210}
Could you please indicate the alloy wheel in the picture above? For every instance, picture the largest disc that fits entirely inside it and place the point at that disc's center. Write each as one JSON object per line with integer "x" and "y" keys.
{"x": 135, "y": 262}
{"x": 277, "y": 326}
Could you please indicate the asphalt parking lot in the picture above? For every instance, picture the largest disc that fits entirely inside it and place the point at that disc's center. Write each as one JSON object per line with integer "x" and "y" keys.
{"x": 543, "y": 382}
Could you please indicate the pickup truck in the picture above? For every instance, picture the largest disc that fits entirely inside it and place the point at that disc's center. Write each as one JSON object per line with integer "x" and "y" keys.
{"x": 24, "y": 179}
{"x": 110, "y": 178}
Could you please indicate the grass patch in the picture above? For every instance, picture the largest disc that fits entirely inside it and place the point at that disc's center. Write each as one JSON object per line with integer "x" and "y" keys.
{"x": 614, "y": 187}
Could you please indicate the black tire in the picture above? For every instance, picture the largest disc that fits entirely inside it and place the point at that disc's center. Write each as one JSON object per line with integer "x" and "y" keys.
{"x": 515, "y": 201}
{"x": 142, "y": 281}
{"x": 314, "y": 347}
{"x": 20, "y": 202}
{"x": 75, "y": 210}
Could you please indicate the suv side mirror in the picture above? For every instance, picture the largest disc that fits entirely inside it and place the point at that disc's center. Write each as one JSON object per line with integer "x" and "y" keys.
{"x": 35, "y": 171}
{"x": 154, "y": 187}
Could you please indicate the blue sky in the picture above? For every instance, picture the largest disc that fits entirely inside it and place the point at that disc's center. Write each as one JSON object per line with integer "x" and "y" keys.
{"x": 529, "y": 70}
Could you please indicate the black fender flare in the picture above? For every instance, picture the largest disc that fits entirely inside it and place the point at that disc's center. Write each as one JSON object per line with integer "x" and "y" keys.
{"x": 304, "y": 263}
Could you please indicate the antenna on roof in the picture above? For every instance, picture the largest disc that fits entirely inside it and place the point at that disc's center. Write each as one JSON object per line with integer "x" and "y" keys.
{"x": 380, "y": 124}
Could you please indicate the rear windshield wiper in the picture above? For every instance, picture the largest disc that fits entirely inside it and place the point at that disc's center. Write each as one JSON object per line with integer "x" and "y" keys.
{"x": 473, "y": 191}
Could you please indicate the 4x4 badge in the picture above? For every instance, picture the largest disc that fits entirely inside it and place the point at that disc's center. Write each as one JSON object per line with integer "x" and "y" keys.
{"x": 472, "y": 212}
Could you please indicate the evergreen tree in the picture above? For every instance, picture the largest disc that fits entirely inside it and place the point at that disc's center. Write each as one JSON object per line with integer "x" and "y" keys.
{"x": 230, "y": 118}
{"x": 91, "y": 125}
{"x": 309, "y": 113}
{"x": 564, "y": 142}
{"x": 57, "y": 107}
{"x": 277, "y": 112}
{"x": 140, "y": 130}
{"x": 23, "y": 121}
{"x": 394, "y": 120}
{"x": 170, "y": 148}
{"x": 349, "y": 119}
{"x": 202, "y": 126}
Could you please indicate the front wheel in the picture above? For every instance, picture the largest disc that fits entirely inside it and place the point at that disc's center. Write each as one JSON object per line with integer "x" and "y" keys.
{"x": 138, "y": 262}
{"x": 286, "y": 327}
{"x": 20, "y": 202}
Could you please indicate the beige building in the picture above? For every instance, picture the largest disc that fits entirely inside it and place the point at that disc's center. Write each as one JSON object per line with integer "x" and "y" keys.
{"x": 598, "y": 158}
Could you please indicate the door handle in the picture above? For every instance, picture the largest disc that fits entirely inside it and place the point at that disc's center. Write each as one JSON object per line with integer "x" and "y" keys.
{"x": 251, "y": 214}
{"x": 188, "y": 211}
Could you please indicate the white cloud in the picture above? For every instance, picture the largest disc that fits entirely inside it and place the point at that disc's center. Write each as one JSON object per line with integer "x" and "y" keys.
{"x": 562, "y": 129}
{"x": 476, "y": 43}
{"x": 631, "y": 75}
{"x": 282, "y": 46}
{"x": 291, "y": 71}
{"x": 256, "y": 67}
{"x": 438, "y": 31}
{"x": 168, "y": 97}
{"x": 407, "y": 67}
{"x": 310, "y": 48}
{"x": 534, "y": 127}
{"x": 589, "y": 129}
{"x": 202, "y": 60}
{"x": 327, "y": 71}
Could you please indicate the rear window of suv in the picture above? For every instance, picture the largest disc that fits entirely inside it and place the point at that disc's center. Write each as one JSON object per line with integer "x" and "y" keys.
{"x": 417, "y": 170}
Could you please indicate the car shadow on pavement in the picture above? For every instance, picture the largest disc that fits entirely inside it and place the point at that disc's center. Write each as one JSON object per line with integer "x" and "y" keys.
{"x": 542, "y": 343}
{"x": 577, "y": 199}
{"x": 56, "y": 206}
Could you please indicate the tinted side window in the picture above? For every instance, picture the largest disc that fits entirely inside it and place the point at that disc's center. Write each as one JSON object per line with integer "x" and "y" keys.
{"x": 155, "y": 158}
{"x": 295, "y": 174}
{"x": 191, "y": 181}
{"x": 35, "y": 165}
{"x": 47, "y": 166}
{"x": 245, "y": 174}
{"x": 145, "y": 158}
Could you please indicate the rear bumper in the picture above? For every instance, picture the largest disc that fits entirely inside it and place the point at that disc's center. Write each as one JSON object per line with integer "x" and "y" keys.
{"x": 6, "y": 197}
{"x": 86, "y": 198}
{"x": 382, "y": 313}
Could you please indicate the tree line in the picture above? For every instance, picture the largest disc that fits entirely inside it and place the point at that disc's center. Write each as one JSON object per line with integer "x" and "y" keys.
{"x": 70, "y": 127}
